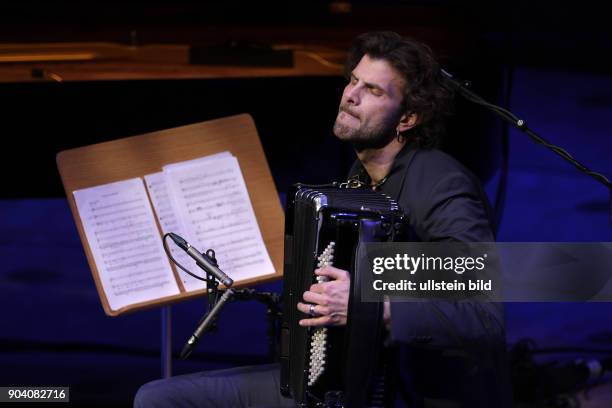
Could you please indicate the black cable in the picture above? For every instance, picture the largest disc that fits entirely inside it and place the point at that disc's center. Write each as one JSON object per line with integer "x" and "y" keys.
{"x": 213, "y": 293}
{"x": 176, "y": 262}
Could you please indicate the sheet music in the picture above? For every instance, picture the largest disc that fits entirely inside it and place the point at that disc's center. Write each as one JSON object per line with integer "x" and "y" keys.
{"x": 216, "y": 211}
{"x": 125, "y": 243}
{"x": 170, "y": 222}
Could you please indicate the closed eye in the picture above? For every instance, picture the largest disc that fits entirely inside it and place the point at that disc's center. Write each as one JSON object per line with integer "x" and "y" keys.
{"x": 372, "y": 88}
{"x": 375, "y": 91}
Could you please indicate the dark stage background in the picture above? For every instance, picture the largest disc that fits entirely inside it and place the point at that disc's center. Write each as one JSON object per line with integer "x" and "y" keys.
{"x": 548, "y": 63}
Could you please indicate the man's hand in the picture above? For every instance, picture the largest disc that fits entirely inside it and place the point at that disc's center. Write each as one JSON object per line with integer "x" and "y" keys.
{"x": 329, "y": 299}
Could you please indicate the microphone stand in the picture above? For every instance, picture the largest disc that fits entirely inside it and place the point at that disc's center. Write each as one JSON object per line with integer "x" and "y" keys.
{"x": 463, "y": 88}
{"x": 215, "y": 304}
{"x": 272, "y": 301}
{"x": 212, "y": 285}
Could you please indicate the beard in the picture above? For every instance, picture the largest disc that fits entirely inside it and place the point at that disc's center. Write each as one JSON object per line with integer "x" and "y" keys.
{"x": 367, "y": 135}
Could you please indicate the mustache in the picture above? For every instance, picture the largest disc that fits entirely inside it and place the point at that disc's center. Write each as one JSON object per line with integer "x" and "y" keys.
{"x": 348, "y": 110}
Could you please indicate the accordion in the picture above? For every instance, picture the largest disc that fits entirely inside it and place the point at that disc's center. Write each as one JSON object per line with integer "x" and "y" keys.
{"x": 324, "y": 225}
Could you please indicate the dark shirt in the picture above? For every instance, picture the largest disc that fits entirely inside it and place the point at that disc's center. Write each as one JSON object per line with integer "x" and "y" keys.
{"x": 444, "y": 201}
{"x": 450, "y": 352}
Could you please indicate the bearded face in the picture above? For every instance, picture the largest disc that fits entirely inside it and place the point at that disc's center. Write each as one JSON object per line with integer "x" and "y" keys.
{"x": 371, "y": 105}
{"x": 365, "y": 132}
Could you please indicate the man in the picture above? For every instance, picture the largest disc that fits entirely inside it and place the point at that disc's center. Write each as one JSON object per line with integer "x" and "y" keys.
{"x": 446, "y": 354}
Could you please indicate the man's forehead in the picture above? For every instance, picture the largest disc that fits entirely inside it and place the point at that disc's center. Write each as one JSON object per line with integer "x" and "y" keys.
{"x": 380, "y": 73}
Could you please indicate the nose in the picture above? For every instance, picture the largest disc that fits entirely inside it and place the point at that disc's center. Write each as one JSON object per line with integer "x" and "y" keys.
{"x": 352, "y": 94}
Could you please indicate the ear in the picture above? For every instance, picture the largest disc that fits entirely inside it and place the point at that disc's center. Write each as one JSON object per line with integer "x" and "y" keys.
{"x": 407, "y": 121}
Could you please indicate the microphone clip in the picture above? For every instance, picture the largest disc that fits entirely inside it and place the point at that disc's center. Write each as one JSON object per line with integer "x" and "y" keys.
{"x": 212, "y": 284}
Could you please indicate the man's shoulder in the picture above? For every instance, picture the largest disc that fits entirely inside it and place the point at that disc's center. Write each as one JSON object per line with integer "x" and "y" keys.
{"x": 434, "y": 178}
{"x": 427, "y": 167}
{"x": 435, "y": 159}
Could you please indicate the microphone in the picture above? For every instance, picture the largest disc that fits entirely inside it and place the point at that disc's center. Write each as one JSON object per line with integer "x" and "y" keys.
{"x": 205, "y": 324}
{"x": 202, "y": 260}
{"x": 459, "y": 84}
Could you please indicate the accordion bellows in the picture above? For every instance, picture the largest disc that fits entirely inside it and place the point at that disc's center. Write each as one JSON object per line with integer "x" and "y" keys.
{"x": 324, "y": 225}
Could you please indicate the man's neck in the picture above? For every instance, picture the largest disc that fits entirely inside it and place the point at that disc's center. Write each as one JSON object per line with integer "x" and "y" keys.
{"x": 378, "y": 162}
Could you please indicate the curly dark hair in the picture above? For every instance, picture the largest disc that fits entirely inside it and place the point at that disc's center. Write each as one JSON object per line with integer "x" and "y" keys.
{"x": 426, "y": 93}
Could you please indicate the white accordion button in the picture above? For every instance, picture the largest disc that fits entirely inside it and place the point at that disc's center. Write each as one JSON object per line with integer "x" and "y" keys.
{"x": 318, "y": 342}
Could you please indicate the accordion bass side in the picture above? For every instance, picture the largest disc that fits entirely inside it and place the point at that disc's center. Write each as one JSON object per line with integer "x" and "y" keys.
{"x": 332, "y": 366}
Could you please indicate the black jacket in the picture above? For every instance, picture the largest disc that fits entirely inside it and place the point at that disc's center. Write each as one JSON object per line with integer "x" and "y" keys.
{"x": 446, "y": 353}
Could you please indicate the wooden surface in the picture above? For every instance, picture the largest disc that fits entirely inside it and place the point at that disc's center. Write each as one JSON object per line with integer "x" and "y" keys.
{"x": 140, "y": 155}
{"x": 107, "y": 61}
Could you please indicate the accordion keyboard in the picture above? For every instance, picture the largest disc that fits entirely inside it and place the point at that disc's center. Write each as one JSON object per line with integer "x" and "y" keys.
{"x": 318, "y": 344}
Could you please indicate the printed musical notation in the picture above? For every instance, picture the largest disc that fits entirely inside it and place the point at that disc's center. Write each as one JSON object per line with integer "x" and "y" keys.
{"x": 170, "y": 222}
{"x": 217, "y": 213}
{"x": 125, "y": 243}
{"x": 203, "y": 200}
